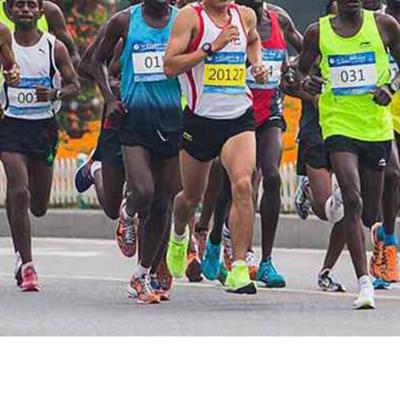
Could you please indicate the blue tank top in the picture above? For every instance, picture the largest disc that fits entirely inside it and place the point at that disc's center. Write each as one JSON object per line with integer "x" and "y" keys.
{"x": 153, "y": 101}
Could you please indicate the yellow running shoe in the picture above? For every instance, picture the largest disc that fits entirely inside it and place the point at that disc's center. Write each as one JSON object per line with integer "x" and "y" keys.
{"x": 238, "y": 280}
{"x": 177, "y": 254}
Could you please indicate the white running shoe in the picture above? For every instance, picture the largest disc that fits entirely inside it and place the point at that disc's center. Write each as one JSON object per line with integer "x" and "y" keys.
{"x": 365, "y": 300}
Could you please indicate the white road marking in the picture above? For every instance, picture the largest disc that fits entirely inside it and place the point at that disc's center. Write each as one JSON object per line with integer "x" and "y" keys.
{"x": 206, "y": 285}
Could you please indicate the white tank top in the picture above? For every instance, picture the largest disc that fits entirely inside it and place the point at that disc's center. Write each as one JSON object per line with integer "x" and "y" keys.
{"x": 216, "y": 88}
{"x": 38, "y": 68}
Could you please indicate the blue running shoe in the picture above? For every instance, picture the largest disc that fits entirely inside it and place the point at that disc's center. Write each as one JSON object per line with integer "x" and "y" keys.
{"x": 211, "y": 263}
{"x": 381, "y": 284}
{"x": 83, "y": 176}
{"x": 269, "y": 276}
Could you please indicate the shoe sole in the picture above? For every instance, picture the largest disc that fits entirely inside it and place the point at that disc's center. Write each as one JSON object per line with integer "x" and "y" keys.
{"x": 75, "y": 178}
{"x": 32, "y": 289}
{"x": 367, "y": 306}
{"x": 248, "y": 289}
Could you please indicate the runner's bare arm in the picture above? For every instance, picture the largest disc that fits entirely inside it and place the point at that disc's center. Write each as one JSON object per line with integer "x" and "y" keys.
{"x": 116, "y": 30}
{"x": 177, "y": 61}
{"x": 70, "y": 81}
{"x": 292, "y": 35}
{"x": 310, "y": 53}
{"x": 254, "y": 47}
{"x": 58, "y": 27}
{"x": 86, "y": 62}
{"x": 393, "y": 31}
{"x": 7, "y": 55}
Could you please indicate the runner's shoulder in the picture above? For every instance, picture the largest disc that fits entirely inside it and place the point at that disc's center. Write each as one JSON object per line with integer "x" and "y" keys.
{"x": 249, "y": 16}
{"x": 189, "y": 16}
{"x": 312, "y": 31}
{"x": 283, "y": 16}
{"x": 386, "y": 21}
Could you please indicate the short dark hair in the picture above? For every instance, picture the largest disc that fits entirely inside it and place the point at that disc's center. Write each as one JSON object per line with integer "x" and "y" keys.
{"x": 9, "y": 3}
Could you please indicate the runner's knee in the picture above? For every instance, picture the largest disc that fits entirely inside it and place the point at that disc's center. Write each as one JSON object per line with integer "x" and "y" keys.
{"x": 242, "y": 189}
{"x": 39, "y": 211}
{"x": 19, "y": 196}
{"x": 353, "y": 203}
{"x": 272, "y": 181}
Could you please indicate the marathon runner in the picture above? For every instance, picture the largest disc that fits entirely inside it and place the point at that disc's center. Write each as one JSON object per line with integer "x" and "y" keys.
{"x": 52, "y": 21}
{"x": 316, "y": 186}
{"x": 384, "y": 261}
{"x": 356, "y": 123}
{"x": 150, "y": 131}
{"x": 29, "y": 130}
{"x": 208, "y": 48}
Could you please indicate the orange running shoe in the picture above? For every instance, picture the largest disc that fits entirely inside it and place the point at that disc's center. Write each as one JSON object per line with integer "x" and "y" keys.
{"x": 193, "y": 271}
{"x": 201, "y": 235}
{"x": 29, "y": 279}
{"x": 377, "y": 262}
{"x": 391, "y": 272}
{"x": 145, "y": 294}
{"x": 126, "y": 234}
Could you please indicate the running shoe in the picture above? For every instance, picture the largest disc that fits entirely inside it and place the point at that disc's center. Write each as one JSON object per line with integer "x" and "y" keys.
{"x": 177, "y": 255}
{"x": 380, "y": 284}
{"x": 328, "y": 283}
{"x": 252, "y": 264}
{"x": 126, "y": 234}
{"x": 365, "y": 300}
{"x": 391, "y": 272}
{"x": 227, "y": 247}
{"x": 29, "y": 279}
{"x": 377, "y": 262}
{"x": 159, "y": 289}
{"x": 268, "y": 275}
{"x": 211, "y": 264}
{"x": 83, "y": 176}
{"x": 238, "y": 280}
{"x": 201, "y": 235}
{"x": 141, "y": 289}
{"x": 193, "y": 271}
{"x": 302, "y": 200}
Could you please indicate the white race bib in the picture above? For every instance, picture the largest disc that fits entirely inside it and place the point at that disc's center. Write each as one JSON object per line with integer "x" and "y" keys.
{"x": 24, "y": 98}
{"x": 148, "y": 62}
{"x": 353, "y": 74}
{"x": 272, "y": 60}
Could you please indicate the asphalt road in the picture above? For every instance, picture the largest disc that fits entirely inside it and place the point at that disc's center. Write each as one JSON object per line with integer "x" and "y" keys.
{"x": 84, "y": 293}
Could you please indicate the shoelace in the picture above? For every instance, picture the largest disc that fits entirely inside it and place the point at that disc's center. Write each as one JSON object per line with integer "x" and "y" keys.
{"x": 146, "y": 285}
{"x": 129, "y": 233}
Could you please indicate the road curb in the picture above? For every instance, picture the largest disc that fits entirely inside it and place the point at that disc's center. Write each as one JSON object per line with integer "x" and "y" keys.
{"x": 93, "y": 224}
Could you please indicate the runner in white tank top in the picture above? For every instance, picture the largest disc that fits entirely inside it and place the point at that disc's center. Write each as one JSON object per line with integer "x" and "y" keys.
{"x": 210, "y": 44}
{"x": 29, "y": 130}
{"x": 213, "y": 91}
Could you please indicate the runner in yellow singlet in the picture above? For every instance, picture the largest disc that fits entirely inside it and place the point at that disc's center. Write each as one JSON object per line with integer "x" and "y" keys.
{"x": 356, "y": 122}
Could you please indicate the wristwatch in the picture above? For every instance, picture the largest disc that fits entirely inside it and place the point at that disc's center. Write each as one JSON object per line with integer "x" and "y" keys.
{"x": 207, "y": 48}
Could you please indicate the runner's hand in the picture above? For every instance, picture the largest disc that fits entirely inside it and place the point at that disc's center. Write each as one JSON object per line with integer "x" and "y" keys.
{"x": 313, "y": 85}
{"x": 44, "y": 94}
{"x": 115, "y": 111}
{"x": 12, "y": 76}
{"x": 228, "y": 35}
{"x": 260, "y": 73}
{"x": 382, "y": 95}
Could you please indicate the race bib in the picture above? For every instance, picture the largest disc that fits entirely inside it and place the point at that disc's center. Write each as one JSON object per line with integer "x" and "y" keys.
{"x": 148, "y": 62}
{"x": 225, "y": 73}
{"x": 272, "y": 60}
{"x": 353, "y": 74}
{"x": 394, "y": 68}
{"x": 24, "y": 101}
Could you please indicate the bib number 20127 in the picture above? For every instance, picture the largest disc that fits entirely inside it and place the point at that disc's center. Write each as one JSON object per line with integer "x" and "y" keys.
{"x": 226, "y": 75}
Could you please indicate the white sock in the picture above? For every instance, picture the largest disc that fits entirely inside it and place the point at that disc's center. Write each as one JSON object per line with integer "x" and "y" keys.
{"x": 139, "y": 271}
{"x": 334, "y": 212}
{"x": 180, "y": 238}
{"x": 96, "y": 166}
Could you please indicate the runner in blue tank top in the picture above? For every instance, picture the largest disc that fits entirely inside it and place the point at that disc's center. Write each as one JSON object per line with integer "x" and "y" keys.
{"x": 148, "y": 114}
